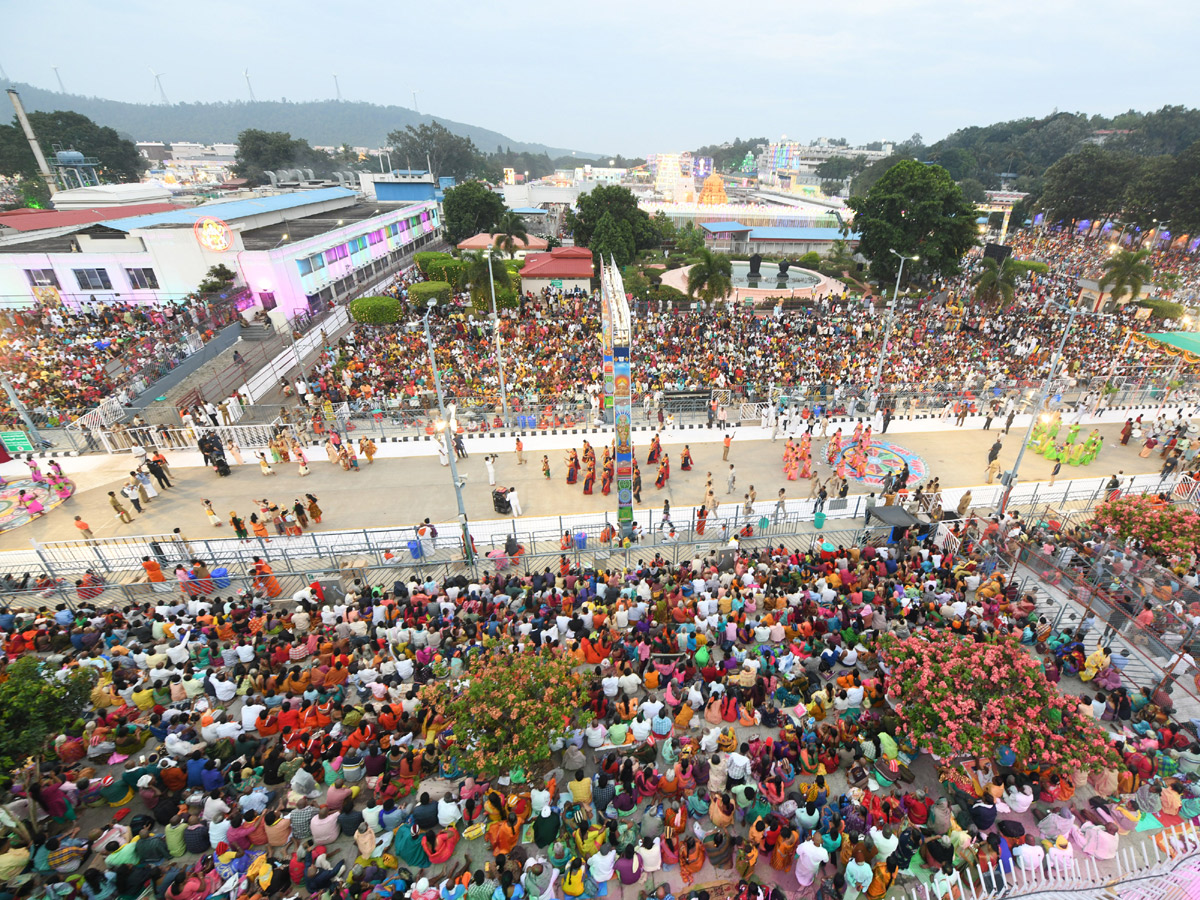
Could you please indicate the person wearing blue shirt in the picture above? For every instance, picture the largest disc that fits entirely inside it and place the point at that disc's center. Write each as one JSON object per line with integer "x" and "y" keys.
{"x": 194, "y": 768}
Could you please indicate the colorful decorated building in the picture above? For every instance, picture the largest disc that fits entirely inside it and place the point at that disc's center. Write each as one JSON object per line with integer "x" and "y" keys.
{"x": 296, "y": 251}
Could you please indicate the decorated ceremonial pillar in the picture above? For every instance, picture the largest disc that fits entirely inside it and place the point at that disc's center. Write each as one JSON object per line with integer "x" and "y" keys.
{"x": 618, "y": 339}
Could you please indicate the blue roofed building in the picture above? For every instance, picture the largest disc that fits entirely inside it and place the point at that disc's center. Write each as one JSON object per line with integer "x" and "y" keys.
{"x": 741, "y": 240}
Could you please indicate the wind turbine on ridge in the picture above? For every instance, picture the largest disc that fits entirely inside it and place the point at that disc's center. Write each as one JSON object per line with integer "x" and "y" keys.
{"x": 162, "y": 95}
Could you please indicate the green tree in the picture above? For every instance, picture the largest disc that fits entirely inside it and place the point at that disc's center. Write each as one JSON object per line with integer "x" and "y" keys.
{"x": 914, "y": 209}
{"x": 1090, "y": 184}
{"x": 710, "y": 279}
{"x": 840, "y": 257}
{"x": 511, "y": 229}
{"x": 269, "y": 151}
{"x": 612, "y": 240}
{"x": 665, "y": 227}
{"x": 973, "y": 190}
{"x": 635, "y": 282}
{"x": 35, "y": 707}
{"x": 470, "y": 208}
{"x": 218, "y": 278}
{"x": 119, "y": 160}
{"x": 619, "y": 203}
{"x": 473, "y": 276}
{"x": 689, "y": 240}
{"x": 1126, "y": 272}
{"x": 447, "y": 153}
{"x": 994, "y": 283}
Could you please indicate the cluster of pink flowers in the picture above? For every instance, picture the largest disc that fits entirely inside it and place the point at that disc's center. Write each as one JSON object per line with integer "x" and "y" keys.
{"x": 1162, "y": 528}
{"x": 960, "y": 697}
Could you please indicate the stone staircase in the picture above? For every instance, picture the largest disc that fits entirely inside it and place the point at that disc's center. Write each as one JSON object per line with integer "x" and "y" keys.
{"x": 257, "y": 331}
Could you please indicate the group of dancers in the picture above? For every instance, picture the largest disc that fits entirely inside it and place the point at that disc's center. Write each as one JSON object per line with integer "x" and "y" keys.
{"x": 585, "y": 463}
{"x": 1044, "y": 442}
{"x": 53, "y": 480}
{"x": 797, "y": 456}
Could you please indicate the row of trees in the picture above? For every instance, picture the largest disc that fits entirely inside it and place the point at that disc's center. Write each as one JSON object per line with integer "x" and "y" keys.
{"x": 451, "y": 154}
{"x": 1104, "y": 183}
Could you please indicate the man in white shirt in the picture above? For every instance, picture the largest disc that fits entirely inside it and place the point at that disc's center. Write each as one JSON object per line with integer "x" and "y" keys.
{"x": 651, "y": 706}
{"x": 739, "y": 764}
{"x": 611, "y": 684}
{"x": 629, "y": 682}
{"x": 1030, "y": 854}
{"x": 250, "y": 713}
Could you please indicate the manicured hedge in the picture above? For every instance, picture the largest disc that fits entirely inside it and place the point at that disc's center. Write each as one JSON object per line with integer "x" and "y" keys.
{"x": 423, "y": 259}
{"x": 376, "y": 310}
{"x": 419, "y": 294}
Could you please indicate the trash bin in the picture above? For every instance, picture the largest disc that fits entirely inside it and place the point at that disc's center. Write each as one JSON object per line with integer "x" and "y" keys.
{"x": 581, "y": 540}
{"x": 819, "y": 520}
{"x": 414, "y": 548}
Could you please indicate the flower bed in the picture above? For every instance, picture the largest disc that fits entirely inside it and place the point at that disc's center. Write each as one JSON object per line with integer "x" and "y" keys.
{"x": 957, "y": 697}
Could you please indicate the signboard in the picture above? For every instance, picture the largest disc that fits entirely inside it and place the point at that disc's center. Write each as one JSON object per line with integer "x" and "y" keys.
{"x": 556, "y": 282}
{"x": 46, "y": 295}
{"x": 213, "y": 234}
{"x": 16, "y": 442}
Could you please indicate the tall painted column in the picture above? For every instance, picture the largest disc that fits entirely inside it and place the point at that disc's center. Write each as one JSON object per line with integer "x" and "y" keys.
{"x": 617, "y": 322}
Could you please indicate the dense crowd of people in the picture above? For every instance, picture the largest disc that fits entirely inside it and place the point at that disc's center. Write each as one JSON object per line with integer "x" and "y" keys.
{"x": 828, "y": 351}
{"x": 61, "y": 360}
{"x": 741, "y": 735}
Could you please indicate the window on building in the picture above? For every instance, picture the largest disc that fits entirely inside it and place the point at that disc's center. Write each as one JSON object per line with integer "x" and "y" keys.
{"x": 304, "y": 265}
{"x": 142, "y": 279}
{"x": 41, "y": 278}
{"x": 375, "y": 237}
{"x": 93, "y": 280}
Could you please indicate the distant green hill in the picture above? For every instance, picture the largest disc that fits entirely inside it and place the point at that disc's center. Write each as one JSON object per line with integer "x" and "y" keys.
{"x": 320, "y": 122}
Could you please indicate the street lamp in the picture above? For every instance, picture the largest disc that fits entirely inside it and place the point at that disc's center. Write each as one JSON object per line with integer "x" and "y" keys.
{"x": 1011, "y": 476}
{"x": 496, "y": 331}
{"x": 441, "y": 427}
{"x": 887, "y": 328}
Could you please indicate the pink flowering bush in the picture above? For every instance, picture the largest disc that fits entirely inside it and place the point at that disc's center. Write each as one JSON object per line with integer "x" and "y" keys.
{"x": 1163, "y": 529}
{"x": 509, "y": 707}
{"x": 957, "y": 697}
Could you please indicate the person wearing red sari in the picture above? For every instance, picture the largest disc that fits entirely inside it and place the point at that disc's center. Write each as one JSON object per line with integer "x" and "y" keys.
{"x": 440, "y": 847}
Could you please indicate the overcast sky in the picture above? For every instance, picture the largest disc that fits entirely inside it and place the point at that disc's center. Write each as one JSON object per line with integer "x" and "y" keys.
{"x": 636, "y": 77}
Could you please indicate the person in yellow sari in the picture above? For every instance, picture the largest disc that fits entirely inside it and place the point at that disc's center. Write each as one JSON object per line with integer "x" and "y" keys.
{"x": 1100, "y": 660}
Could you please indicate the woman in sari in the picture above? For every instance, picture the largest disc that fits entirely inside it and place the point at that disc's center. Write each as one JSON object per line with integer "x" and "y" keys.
{"x": 691, "y": 858}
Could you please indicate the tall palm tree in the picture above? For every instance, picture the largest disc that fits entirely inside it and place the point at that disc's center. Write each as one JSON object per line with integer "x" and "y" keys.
{"x": 711, "y": 278}
{"x": 475, "y": 273}
{"x": 839, "y": 256}
{"x": 509, "y": 230}
{"x": 1125, "y": 274}
{"x": 994, "y": 283}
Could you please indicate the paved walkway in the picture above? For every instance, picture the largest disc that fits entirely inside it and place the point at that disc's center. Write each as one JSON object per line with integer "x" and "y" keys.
{"x": 406, "y": 483}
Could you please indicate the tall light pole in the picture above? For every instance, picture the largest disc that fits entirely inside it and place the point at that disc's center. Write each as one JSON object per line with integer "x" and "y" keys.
{"x": 887, "y": 328}
{"x": 445, "y": 427}
{"x": 1037, "y": 411}
{"x": 496, "y": 331}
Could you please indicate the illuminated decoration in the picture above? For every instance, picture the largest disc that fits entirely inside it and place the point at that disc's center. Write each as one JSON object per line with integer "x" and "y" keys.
{"x": 713, "y": 191}
{"x": 213, "y": 234}
{"x": 618, "y": 333}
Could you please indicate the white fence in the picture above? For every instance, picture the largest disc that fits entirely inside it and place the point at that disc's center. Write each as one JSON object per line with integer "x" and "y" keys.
{"x": 845, "y": 523}
{"x": 1142, "y": 871}
{"x": 285, "y": 362}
